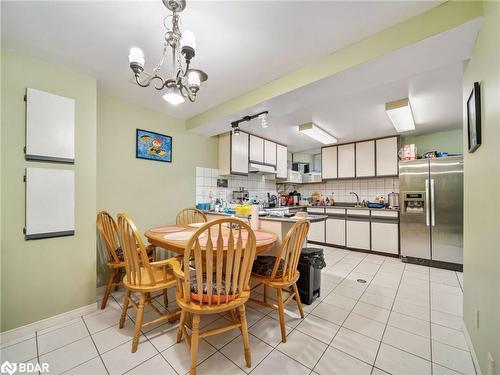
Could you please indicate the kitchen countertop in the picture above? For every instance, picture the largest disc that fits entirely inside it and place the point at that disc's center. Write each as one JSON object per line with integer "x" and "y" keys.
{"x": 311, "y": 218}
{"x": 356, "y": 208}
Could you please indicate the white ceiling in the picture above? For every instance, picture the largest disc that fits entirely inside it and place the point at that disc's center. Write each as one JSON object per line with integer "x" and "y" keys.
{"x": 241, "y": 44}
{"x": 351, "y": 104}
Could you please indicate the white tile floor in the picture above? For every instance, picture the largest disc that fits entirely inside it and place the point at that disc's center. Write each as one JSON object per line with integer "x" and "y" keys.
{"x": 405, "y": 319}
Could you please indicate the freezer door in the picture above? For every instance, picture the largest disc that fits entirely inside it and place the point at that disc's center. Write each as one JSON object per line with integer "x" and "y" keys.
{"x": 414, "y": 204}
{"x": 446, "y": 190}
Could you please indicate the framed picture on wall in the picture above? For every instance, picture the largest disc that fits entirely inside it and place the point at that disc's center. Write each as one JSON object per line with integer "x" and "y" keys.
{"x": 153, "y": 146}
{"x": 474, "y": 118}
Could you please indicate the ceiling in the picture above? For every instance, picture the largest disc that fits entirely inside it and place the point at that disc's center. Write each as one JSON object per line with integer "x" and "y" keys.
{"x": 351, "y": 104}
{"x": 240, "y": 44}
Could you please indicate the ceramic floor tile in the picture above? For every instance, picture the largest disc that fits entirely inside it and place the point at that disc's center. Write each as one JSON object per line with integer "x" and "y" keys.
{"x": 20, "y": 352}
{"x": 335, "y": 362}
{"x": 417, "y": 268}
{"x": 94, "y": 367}
{"x": 101, "y": 320}
{"x": 218, "y": 341}
{"x": 268, "y": 330}
{"x": 338, "y": 300}
{"x": 121, "y": 358}
{"x": 396, "y": 361}
{"x": 414, "y": 344}
{"x": 234, "y": 350}
{"x": 382, "y": 290}
{"x": 377, "y": 371}
{"x": 447, "y": 320}
{"x": 377, "y": 300}
{"x": 440, "y": 370}
{"x": 253, "y": 316}
{"x": 155, "y": 365}
{"x": 449, "y": 336}
{"x": 452, "y": 358}
{"x": 331, "y": 313}
{"x": 443, "y": 288}
{"x": 303, "y": 348}
{"x": 70, "y": 356}
{"x": 58, "y": 326}
{"x": 372, "y": 312}
{"x": 348, "y": 291}
{"x": 365, "y": 326}
{"x": 113, "y": 336}
{"x": 63, "y": 336}
{"x": 410, "y": 324}
{"x": 410, "y": 309}
{"x": 357, "y": 345}
{"x": 217, "y": 364}
{"x": 447, "y": 303}
{"x": 279, "y": 363}
{"x": 318, "y": 328}
{"x": 179, "y": 356}
{"x": 163, "y": 336}
{"x": 292, "y": 315}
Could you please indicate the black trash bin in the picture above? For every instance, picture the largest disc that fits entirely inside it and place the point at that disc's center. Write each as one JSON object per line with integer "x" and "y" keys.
{"x": 311, "y": 262}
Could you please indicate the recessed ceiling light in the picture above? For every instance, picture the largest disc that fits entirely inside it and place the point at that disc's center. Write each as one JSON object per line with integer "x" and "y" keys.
{"x": 316, "y": 133}
{"x": 401, "y": 115}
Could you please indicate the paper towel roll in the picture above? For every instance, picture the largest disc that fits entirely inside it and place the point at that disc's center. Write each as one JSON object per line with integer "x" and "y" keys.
{"x": 254, "y": 219}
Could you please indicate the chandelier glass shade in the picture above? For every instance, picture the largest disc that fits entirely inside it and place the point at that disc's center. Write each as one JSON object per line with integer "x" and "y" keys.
{"x": 182, "y": 82}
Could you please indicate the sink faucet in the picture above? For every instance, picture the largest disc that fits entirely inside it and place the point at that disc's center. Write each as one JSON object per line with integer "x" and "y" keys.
{"x": 358, "y": 203}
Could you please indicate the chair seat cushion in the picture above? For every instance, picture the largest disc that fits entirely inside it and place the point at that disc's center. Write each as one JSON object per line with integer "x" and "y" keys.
{"x": 214, "y": 298}
{"x": 119, "y": 253}
{"x": 264, "y": 265}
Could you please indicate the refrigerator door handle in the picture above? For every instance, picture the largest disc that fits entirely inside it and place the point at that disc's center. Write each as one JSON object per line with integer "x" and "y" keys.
{"x": 427, "y": 211}
{"x": 433, "y": 204}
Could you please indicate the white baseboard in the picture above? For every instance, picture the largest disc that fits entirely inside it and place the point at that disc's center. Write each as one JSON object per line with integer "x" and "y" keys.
{"x": 30, "y": 329}
{"x": 471, "y": 348}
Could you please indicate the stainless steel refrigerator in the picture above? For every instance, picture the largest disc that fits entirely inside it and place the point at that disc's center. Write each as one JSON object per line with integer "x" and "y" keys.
{"x": 431, "y": 221}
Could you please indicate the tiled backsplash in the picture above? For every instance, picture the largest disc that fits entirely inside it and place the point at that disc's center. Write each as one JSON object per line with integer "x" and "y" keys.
{"x": 367, "y": 189}
{"x": 206, "y": 184}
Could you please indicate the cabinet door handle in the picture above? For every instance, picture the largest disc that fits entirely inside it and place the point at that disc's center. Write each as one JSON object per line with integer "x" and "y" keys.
{"x": 427, "y": 212}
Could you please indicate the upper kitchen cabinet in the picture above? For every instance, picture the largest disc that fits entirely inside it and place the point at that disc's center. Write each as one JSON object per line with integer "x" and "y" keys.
{"x": 346, "y": 161}
{"x": 365, "y": 159}
{"x": 256, "y": 149}
{"x": 281, "y": 161}
{"x": 233, "y": 153}
{"x": 329, "y": 162}
{"x": 269, "y": 152}
{"x": 387, "y": 156}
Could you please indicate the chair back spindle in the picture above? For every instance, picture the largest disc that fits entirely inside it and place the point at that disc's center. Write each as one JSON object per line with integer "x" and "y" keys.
{"x": 109, "y": 232}
{"x": 189, "y": 216}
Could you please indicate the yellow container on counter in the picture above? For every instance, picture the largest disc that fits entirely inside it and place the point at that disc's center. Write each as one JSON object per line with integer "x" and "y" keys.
{"x": 243, "y": 210}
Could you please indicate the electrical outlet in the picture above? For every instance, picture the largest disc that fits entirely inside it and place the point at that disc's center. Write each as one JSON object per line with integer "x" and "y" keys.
{"x": 491, "y": 364}
{"x": 476, "y": 318}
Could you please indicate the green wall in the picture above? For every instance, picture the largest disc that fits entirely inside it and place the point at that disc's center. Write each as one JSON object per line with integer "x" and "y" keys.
{"x": 47, "y": 277}
{"x": 450, "y": 141}
{"x": 151, "y": 192}
{"x": 481, "y": 203}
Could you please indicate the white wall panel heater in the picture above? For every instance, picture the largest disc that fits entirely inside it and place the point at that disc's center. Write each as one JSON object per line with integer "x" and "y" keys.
{"x": 50, "y": 203}
{"x": 50, "y": 127}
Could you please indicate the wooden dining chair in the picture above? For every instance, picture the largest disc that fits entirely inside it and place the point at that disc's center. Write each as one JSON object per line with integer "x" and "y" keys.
{"x": 223, "y": 251}
{"x": 142, "y": 277}
{"x": 108, "y": 230}
{"x": 189, "y": 216}
{"x": 283, "y": 274}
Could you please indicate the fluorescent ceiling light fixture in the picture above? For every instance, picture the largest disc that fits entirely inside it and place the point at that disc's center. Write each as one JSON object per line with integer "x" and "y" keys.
{"x": 401, "y": 115}
{"x": 264, "y": 119}
{"x": 317, "y": 133}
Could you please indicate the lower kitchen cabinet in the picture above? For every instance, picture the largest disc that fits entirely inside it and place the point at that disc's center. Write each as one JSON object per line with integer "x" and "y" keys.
{"x": 358, "y": 233}
{"x": 317, "y": 232}
{"x": 335, "y": 231}
{"x": 385, "y": 237}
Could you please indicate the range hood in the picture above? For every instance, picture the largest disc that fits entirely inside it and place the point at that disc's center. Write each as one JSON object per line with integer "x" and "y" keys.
{"x": 261, "y": 168}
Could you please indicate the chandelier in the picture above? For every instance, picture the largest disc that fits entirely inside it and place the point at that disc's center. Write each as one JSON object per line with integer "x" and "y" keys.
{"x": 184, "y": 81}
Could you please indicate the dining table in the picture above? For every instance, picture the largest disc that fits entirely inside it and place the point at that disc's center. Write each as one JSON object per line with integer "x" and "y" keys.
{"x": 163, "y": 237}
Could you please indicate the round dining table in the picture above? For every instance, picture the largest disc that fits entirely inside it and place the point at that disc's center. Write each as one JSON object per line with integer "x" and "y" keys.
{"x": 265, "y": 240}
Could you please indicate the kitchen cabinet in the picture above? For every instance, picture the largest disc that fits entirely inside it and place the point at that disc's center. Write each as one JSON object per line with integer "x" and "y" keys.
{"x": 233, "y": 153}
{"x": 385, "y": 231}
{"x": 335, "y": 227}
{"x": 358, "y": 229}
{"x": 256, "y": 149}
{"x": 346, "y": 161}
{"x": 365, "y": 159}
{"x": 281, "y": 161}
{"x": 329, "y": 162}
{"x": 269, "y": 152}
{"x": 317, "y": 232}
{"x": 387, "y": 156}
